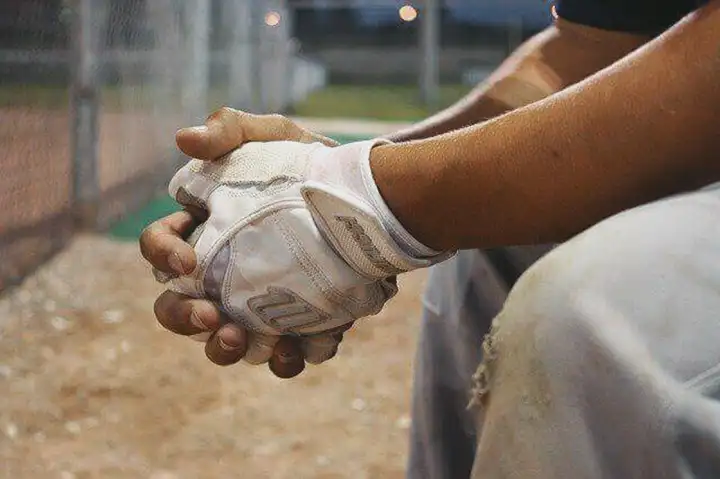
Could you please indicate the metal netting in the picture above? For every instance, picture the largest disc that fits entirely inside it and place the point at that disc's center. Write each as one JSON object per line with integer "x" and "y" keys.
{"x": 35, "y": 184}
{"x": 92, "y": 91}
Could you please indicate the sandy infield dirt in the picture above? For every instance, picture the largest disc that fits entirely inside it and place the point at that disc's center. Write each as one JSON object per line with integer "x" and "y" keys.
{"x": 91, "y": 387}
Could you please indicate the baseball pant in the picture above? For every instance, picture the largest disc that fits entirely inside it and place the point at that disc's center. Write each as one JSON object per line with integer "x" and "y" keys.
{"x": 603, "y": 362}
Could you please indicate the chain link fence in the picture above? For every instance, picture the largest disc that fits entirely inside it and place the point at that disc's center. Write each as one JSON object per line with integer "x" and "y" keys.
{"x": 35, "y": 119}
{"x": 92, "y": 91}
{"x": 91, "y": 94}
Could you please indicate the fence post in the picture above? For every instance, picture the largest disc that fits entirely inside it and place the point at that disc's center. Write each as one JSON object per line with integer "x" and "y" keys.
{"x": 239, "y": 22}
{"x": 196, "y": 83}
{"x": 429, "y": 52}
{"x": 85, "y": 104}
{"x": 274, "y": 47}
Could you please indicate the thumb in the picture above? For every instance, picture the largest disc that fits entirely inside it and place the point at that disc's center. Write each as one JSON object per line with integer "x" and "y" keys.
{"x": 227, "y": 129}
{"x": 222, "y": 132}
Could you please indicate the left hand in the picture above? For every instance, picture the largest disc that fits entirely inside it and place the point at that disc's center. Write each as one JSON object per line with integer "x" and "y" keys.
{"x": 298, "y": 240}
{"x": 163, "y": 245}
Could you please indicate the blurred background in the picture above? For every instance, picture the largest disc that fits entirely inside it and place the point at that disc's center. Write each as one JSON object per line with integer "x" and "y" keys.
{"x": 91, "y": 94}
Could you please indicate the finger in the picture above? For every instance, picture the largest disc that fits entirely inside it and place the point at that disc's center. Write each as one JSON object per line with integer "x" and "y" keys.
{"x": 287, "y": 360}
{"x": 187, "y": 316}
{"x": 310, "y": 137}
{"x": 323, "y": 347}
{"x": 227, "y": 129}
{"x": 320, "y": 348}
{"x": 227, "y": 346}
{"x": 162, "y": 244}
{"x": 198, "y": 213}
{"x": 260, "y": 348}
{"x": 341, "y": 330}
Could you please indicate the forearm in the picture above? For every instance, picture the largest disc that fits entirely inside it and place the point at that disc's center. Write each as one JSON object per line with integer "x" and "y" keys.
{"x": 557, "y": 57}
{"x": 642, "y": 129}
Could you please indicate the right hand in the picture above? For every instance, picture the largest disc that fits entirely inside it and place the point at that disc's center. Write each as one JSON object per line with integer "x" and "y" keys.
{"x": 298, "y": 240}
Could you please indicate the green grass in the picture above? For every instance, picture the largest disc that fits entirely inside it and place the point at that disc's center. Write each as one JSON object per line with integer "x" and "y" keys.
{"x": 399, "y": 103}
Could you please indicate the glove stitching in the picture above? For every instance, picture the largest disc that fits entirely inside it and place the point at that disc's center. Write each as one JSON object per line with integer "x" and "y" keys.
{"x": 315, "y": 275}
{"x": 401, "y": 262}
{"x": 227, "y": 289}
{"x": 330, "y": 293}
{"x": 263, "y": 189}
{"x": 331, "y": 239}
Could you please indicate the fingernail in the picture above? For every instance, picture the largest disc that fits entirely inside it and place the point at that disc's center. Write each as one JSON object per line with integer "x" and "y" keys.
{"x": 225, "y": 345}
{"x": 196, "y": 321}
{"x": 285, "y": 358}
{"x": 176, "y": 263}
{"x": 199, "y": 129}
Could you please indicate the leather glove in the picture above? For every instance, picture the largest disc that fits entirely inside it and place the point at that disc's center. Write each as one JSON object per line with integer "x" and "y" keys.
{"x": 298, "y": 241}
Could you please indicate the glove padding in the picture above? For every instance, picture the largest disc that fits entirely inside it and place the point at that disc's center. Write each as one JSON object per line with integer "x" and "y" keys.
{"x": 296, "y": 241}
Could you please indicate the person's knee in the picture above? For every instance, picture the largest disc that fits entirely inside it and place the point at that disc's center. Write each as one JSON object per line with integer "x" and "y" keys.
{"x": 537, "y": 316}
{"x": 552, "y": 330}
{"x": 589, "y": 296}
{"x": 549, "y": 314}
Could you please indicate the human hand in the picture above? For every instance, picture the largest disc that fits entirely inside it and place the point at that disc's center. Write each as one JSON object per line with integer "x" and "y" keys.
{"x": 163, "y": 245}
{"x": 298, "y": 240}
{"x": 227, "y": 129}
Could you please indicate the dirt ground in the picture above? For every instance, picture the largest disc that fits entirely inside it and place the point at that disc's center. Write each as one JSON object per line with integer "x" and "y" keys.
{"x": 91, "y": 387}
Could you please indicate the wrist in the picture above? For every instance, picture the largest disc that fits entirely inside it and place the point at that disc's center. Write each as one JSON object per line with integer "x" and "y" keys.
{"x": 354, "y": 219}
{"x": 406, "y": 240}
{"x": 404, "y": 187}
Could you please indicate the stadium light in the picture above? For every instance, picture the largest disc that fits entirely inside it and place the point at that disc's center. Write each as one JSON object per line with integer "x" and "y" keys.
{"x": 272, "y": 19}
{"x": 407, "y": 13}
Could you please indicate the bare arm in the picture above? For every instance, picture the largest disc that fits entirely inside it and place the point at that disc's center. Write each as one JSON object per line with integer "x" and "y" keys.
{"x": 557, "y": 57}
{"x": 641, "y": 129}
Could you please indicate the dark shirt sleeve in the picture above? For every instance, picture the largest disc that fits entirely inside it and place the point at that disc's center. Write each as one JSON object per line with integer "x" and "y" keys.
{"x": 633, "y": 16}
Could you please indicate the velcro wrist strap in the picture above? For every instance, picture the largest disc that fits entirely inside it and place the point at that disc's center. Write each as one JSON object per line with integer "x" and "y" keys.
{"x": 357, "y": 234}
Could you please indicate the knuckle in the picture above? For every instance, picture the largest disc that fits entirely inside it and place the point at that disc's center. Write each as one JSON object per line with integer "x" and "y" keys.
{"x": 221, "y": 113}
{"x": 160, "y": 309}
{"x": 148, "y": 241}
{"x": 171, "y": 312}
{"x": 214, "y": 115}
{"x": 284, "y": 125}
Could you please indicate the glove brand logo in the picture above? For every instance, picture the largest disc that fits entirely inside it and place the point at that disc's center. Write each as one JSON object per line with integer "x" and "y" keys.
{"x": 283, "y": 310}
{"x": 367, "y": 246}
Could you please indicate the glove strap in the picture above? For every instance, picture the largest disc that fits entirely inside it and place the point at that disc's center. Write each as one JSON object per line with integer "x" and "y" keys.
{"x": 352, "y": 216}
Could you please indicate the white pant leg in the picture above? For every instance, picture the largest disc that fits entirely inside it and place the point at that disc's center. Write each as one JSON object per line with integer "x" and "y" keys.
{"x": 605, "y": 360}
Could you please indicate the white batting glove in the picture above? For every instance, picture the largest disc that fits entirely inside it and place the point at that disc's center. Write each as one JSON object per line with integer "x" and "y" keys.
{"x": 298, "y": 241}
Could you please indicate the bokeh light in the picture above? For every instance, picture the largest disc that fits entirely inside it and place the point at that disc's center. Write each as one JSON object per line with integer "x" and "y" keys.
{"x": 272, "y": 19}
{"x": 407, "y": 13}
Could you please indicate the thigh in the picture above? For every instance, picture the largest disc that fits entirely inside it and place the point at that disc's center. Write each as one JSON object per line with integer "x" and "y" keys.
{"x": 462, "y": 297}
{"x": 604, "y": 359}
{"x": 654, "y": 269}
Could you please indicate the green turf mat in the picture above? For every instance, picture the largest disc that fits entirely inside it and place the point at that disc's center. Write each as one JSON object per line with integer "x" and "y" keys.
{"x": 130, "y": 227}
{"x": 346, "y": 138}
